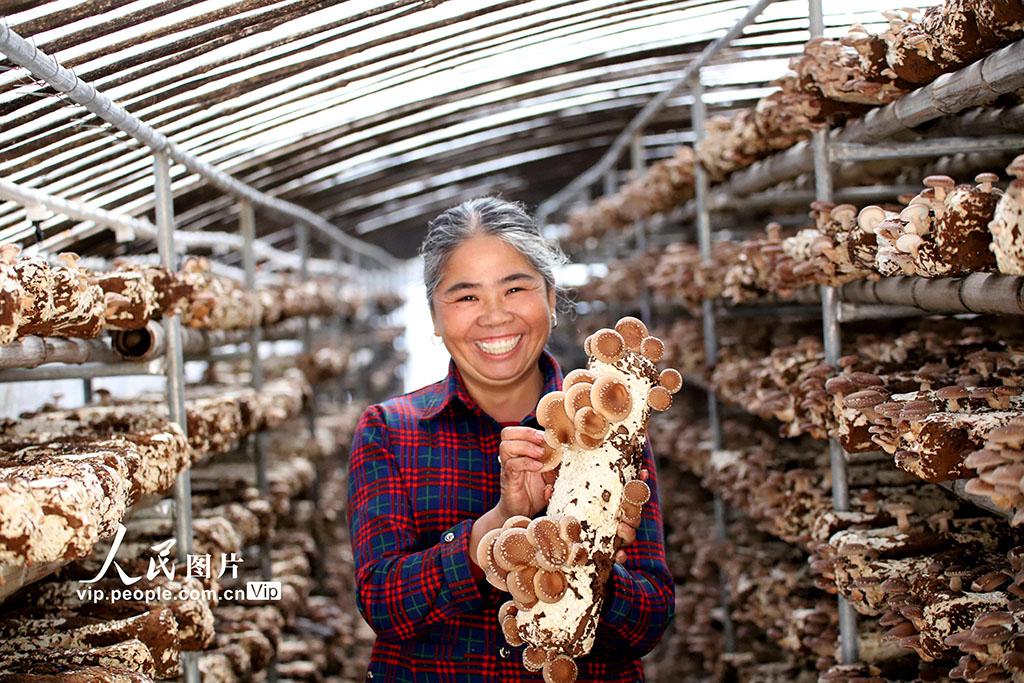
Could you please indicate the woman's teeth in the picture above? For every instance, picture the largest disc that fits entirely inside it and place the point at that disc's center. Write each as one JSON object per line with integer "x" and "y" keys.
{"x": 501, "y": 346}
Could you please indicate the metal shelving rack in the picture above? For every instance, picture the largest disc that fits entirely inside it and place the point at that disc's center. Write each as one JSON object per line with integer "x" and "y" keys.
{"x": 171, "y": 365}
{"x": 869, "y": 138}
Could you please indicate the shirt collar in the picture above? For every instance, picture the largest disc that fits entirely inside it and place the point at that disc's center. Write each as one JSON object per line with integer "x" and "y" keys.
{"x": 452, "y": 391}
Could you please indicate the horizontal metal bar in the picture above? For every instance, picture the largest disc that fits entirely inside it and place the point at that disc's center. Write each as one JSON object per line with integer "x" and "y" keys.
{"x": 87, "y": 371}
{"x": 47, "y": 68}
{"x": 185, "y": 239}
{"x": 855, "y": 151}
{"x": 975, "y": 293}
{"x": 975, "y": 85}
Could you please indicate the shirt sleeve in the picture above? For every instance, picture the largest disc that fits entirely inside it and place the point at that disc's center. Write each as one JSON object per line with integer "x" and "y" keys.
{"x": 402, "y": 588}
{"x": 642, "y": 593}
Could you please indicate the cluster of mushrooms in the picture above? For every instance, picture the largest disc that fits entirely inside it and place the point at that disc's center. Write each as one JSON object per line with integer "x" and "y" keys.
{"x": 49, "y": 624}
{"x": 839, "y": 78}
{"x": 948, "y": 229}
{"x": 665, "y": 185}
{"x": 594, "y": 430}
{"x": 943, "y": 584}
{"x": 69, "y": 301}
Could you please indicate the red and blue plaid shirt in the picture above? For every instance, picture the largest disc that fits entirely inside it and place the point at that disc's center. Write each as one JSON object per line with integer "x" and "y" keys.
{"x": 423, "y": 467}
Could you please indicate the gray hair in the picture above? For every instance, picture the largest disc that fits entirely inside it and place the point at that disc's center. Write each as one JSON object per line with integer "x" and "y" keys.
{"x": 508, "y": 221}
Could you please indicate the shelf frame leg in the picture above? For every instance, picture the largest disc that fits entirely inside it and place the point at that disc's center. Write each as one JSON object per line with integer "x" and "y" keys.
{"x": 701, "y": 182}
{"x": 175, "y": 359}
{"x": 823, "y": 190}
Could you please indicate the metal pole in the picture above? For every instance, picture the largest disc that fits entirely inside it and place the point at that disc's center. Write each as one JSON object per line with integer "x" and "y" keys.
{"x": 27, "y": 196}
{"x": 650, "y": 110}
{"x": 830, "y": 331}
{"x": 698, "y": 114}
{"x": 164, "y": 199}
{"x": 638, "y": 159}
{"x": 319, "y": 568}
{"x": 47, "y": 68}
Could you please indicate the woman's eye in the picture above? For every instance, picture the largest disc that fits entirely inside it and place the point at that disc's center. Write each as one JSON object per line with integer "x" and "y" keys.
{"x": 515, "y": 289}
{"x": 468, "y": 297}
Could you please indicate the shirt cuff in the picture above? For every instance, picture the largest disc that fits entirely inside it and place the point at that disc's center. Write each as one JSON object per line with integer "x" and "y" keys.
{"x": 458, "y": 568}
{"x": 617, "y": 610}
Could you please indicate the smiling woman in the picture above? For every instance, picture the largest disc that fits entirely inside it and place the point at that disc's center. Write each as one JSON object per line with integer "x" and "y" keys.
{"x": 436, "y": 470}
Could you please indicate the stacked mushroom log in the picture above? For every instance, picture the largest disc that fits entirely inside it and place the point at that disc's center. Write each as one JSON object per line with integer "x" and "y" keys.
{"x": 69, "y": 301}
{"x": 931, "y": 419}
{"x": 139, "y": 622}
{"x": 556, "y": 565}
{"x": 837, "y": 79}
{"x": 947, "y": 587}
{"x": 666, "y": 184}
{"x": 65, "y": 483}
{"x": 1007, "y": 225}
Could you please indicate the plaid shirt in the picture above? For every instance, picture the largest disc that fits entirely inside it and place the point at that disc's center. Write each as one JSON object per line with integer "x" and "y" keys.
{"x": 423, "y": 467}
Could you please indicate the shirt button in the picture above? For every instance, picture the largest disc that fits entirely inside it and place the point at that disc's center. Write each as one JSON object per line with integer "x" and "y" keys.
{"x": 369, "y": 675}
{"x": 503, "y": 652}
{"x": 449, "y": 537}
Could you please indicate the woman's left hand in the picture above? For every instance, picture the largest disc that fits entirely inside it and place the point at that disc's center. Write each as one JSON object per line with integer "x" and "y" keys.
{"x": 627, "y": 528}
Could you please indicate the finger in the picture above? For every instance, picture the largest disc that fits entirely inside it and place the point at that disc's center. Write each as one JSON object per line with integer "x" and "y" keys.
{"x": 550, "y": 476}
{"x": 548, "y": 490}
{"x": 626, "y": 533}
{"x": 530, "y": 434}
{"x": 521, "y": 464}
{"x": 620, "y": 557}
{"x": 644, "y": 475}
{"x": 519, "y": 449}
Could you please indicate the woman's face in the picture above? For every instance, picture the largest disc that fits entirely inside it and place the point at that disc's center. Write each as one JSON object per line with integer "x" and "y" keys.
{"x": 493, "y": 312}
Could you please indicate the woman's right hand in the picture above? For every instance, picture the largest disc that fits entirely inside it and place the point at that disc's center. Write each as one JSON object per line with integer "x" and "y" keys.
{"x": 525, "y": 490}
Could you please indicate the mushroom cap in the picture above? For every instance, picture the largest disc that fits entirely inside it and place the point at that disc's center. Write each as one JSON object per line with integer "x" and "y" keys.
{"x": 909, "y": 242}
{"x": 839, "y": 385}
{"x": 510, "y": 629}
{"x": 843, "y": 214}
{"x": 575, "y": 376}
{"x": 671, "y": 380}
{"x": 520, "y": 585}
{"x": 560, "y": 669}
{"x": 659, "y": 398}
{"x": 534, "y": 658}
{"x": 484, "y": 558}
{"x": 552, "y": 457}
{"x": 653, "y": 348}
{"x": 577, "y": 397}
{"x": 592, "y": 423}
{"x": 513, "y": 549}
{"x": 869, "y": 217}
{"x": 865, "y": 379}
{"x": 610, "y": 396}
{"x": 863, "y": 399}
{"x": 570, "y": 529}
{"x": 986, "y": 177}
{"x": 559, "y": 429}
{"x": 630, "y": 511}
{"x": 939, "y": 181}
{"x": 544, "y": 406}
{"x": 516, "y": 521}
{"x": 507, "y": 609}
{"x": 1016, "y": 167}
{"x": 954, "y": 391}
{"x": 633, "y": 332}
{"x": 543, "y": 533}
{"x": 607, "y": 345}
{"x": 636, "y": 491}
{"x": 549, "y": 586}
